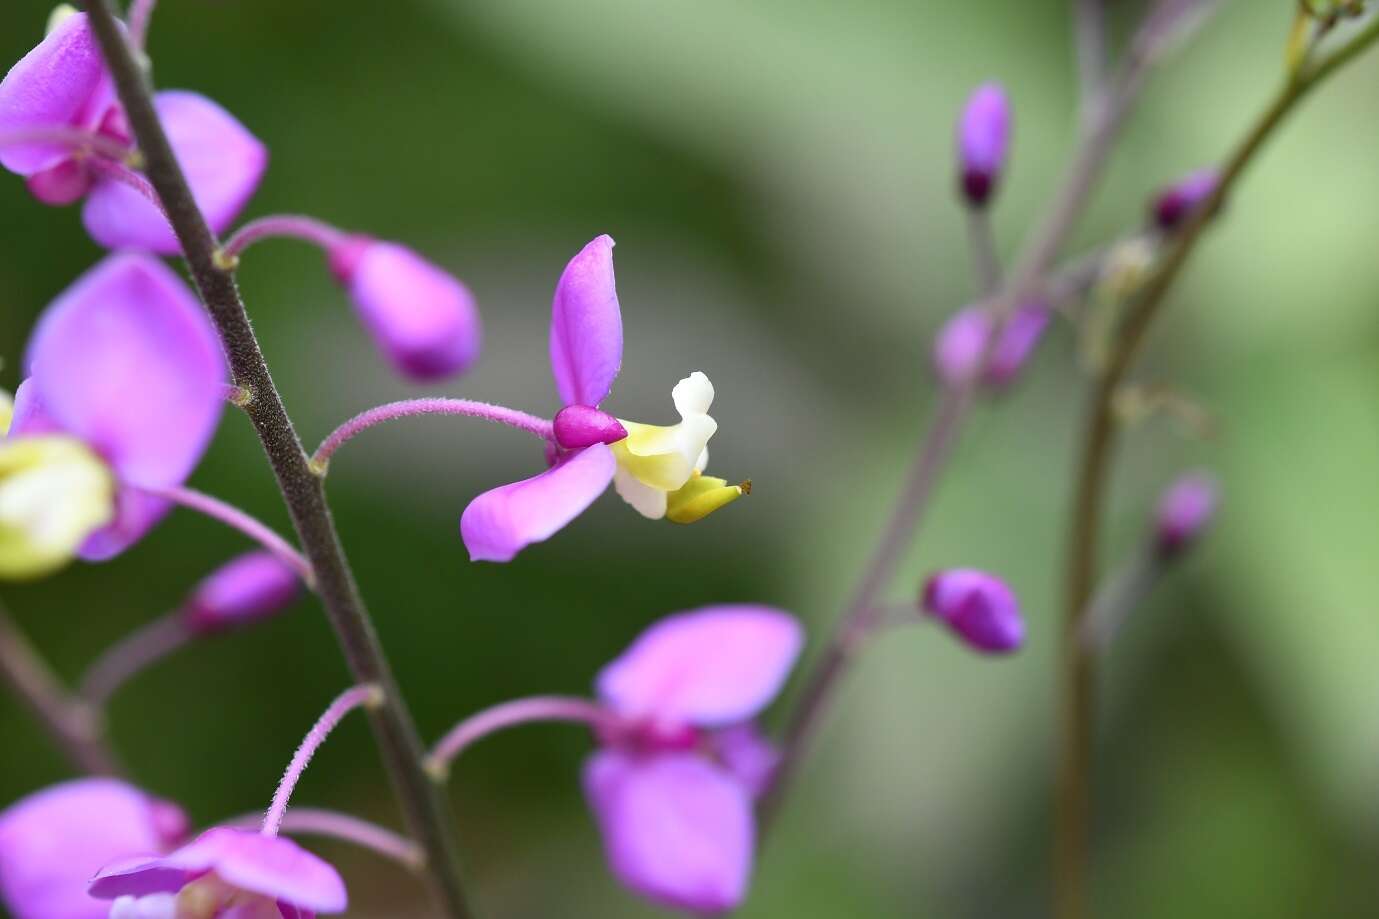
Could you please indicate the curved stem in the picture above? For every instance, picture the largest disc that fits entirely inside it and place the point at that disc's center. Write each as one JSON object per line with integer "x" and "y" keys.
{"x": 1073, "y": 810}
{"x": 283, "y": 226}
{"x": 1119, "y": 595}
{"x": 140, "y": 15}
{"x": 74, "y": 726}
{"x": 344, "y": 703}
{"x": 237, "y": 519}
{"x": 314, "y": 821}
{"x": 118, "y": 172}
{"x": 75, "y": 138}
{"x": 512, "y": 714}
{"x": 302, "y": 490}
{"x": 538, "y": 427}
{"x": 132, "y": 655}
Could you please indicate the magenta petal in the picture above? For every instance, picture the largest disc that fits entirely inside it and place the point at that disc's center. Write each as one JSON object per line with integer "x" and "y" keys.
{"x": 586, "y": 326}
{"x": 750, "y": 757}
{"x": 52, "y": 85}
{"x": 710, "y": 667}
{"x": 136, "y": 513}
{"x": 52, "y": 842}
{"x": 500, "y": 523}
{"x": 223, "y": 163}
{"x": 423, "y": 319}
{"x": 29, "y": 417}
{"x": 127, "y": 360}
{"x": 269, "y": 865}
{"x": 675, "y": 828}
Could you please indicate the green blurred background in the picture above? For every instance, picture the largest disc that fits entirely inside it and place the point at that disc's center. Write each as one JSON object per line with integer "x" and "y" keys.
{"x": 778, "y": 176}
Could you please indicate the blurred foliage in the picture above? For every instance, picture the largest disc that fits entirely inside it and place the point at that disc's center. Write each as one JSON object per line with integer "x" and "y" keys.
{"x": 778, "y": 176}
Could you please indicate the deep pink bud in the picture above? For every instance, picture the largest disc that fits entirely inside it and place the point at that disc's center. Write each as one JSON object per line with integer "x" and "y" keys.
{"x": 978, "y": 607}
{"x": 1185, "y": 509}
{"x": 983, "y": 142}
{"x": 422, "y": 318}
{"x": 579, "y": 426}
{"x": 254, "y": 586}
{"x": 1177, "y": 203}
{"x": 62, "y": 184}
{"x": 959, "y": 344}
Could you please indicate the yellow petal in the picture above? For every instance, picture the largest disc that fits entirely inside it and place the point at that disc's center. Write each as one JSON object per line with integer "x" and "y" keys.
{"x": 701, "y": 496}
{"x": 54, "y": 492}
{"x": 6, "y": 412}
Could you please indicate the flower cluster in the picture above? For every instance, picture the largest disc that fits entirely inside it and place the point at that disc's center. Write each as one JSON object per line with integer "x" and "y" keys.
{"x": 123, "y": 384}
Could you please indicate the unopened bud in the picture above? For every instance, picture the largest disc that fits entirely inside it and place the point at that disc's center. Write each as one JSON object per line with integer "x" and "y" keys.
{"x": 579, "y": 426}
{"x": 1185, "y": 509}
{"x": 422, "y": 318}
{"x": 978, "y": 608}
{"x": 245, "y": 590}
{"x": 1178, "y": 203}
{"x": 961, "y": 343}
{"x": 983, "y": 143}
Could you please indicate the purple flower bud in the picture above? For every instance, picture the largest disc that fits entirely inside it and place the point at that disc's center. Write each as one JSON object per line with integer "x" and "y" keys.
{"x": 254, "y": 586}
{"x": 1185, "y": 509}
{"x": 422, "y": 318}
{"x": 579, "y": 426}
{"x": 978, "y": 607}
{"x": 983, "y": 142}
{"x": 1176, "y": 204}
{"x": 959, "y": 344}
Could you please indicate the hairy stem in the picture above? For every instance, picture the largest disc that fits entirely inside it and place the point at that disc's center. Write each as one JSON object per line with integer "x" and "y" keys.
{"x": 131, "y": 656}
{"x": 302, "y": 490}
{"x": 74, "y": 726}
{"x": 1077, "y": 709}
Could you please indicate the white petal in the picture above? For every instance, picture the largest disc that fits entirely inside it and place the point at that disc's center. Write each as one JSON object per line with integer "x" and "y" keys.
{"x": 693, "y": 395}
{"x": 647, "y": 501}
{"x": 703, "y": 462}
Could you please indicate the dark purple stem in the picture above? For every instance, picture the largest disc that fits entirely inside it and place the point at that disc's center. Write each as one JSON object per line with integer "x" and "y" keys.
{"x": 303, "y": 491}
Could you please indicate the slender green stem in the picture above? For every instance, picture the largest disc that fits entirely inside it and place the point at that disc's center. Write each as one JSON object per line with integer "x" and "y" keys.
{"x": 302, "y": 490}
{"x": 1077, "y": 707}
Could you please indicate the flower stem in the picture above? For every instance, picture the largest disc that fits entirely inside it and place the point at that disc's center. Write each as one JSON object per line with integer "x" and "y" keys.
{"x": 313, "y": 821}
{"x": 367, "y": 695}
{"x": 1077, "y": 708}
{"x": 237, "y": 519}
{"x": 140, "y": 15}
{"x": 1036, "y": 261}
{"x": 986, "y": 264}
{"x": 132, "y": 655}
{"x": 72, "y": 725}
{"x": 302, "y": 490}
{"x": 511, "y": 714}
{"x": 408, "y": 408}
{"x": 283, "y": 226}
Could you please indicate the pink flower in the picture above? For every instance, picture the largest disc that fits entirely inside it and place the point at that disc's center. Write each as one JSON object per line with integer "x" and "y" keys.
{"x": 423, "y": 319}
{"x": 960, "y": 344}
{"x": 983, "y": 142}
{"x": 1185, "y": 510}
{"x": 125, "y": 389}
{"x": 251, "y": 587}
{"x": 979, "y": 608}
{"x": 52, "y": 842}
{"x": 658, "y": 470}
{"x": 681, "y": 762}
{"x": 223, "y": 874}
{"x": 62, "y": 85}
